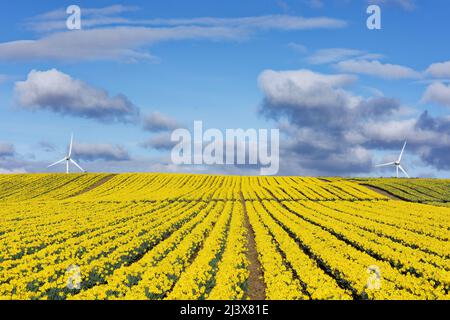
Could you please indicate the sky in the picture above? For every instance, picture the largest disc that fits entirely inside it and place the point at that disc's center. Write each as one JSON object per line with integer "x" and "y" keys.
{"x": 344, "y": 97}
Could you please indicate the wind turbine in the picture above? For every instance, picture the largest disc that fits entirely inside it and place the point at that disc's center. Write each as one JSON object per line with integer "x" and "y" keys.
{"x": 397, "y": 163}
{"x": 68, "y": 159}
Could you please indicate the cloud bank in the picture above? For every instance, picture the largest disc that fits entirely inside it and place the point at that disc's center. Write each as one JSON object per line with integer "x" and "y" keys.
{"x": 6, "y": 150}
{"x": 378, "y": 69}
{"x": 128, "y": 39}
{"x": 157, "y": 122}
{"x": 58, "y": 92}
{"x": 330, "y": 130}
{"x": 161, "y": 142}
{"x": 439, "y": 70}
{"x": 437, "y": 93}
{"x": 100, "y": 151}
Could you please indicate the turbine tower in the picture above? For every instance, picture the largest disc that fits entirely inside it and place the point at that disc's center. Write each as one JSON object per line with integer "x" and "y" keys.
{"x": 397, "y": 163}
{"x": 68, "y": 159}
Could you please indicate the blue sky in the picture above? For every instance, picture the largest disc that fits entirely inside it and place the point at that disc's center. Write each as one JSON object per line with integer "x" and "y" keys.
{"x": 344, "y": 97}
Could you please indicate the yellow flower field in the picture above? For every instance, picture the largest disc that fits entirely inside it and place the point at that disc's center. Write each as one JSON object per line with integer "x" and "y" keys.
{"x": 176, "y": 236}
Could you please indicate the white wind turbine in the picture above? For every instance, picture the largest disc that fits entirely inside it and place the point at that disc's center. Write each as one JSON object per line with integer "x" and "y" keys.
{"x": 397, "y": 163}
{"x": 68, "y": 159}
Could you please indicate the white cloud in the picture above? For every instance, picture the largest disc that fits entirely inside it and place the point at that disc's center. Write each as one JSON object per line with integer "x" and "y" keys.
{"x": 311, "y": 89}
{"x": 405, "y": 4}
{"x": 330, "y": 55}
{"x": 438, "y": 93}
{"x": 100, "y": 151}
{"x": 6, "y": 150}
{"x": 378, "y": 69}
{"x": 157, "y": 122}
{"x": 56, "y": 19}
{"x": 92, "y": 17}
{"x": 268, "y": 22}
{"x": 125, "y": 39}
{"x": 298, "y": 47}
{"x": 161, "y": 142}
{"x": 12, "y": 171}
{"x": 327, "y": 129}
{"x": 392, "y": 130}
{"x": 116, "y": 43}
{"x": 439, "y": 70}
{"x": 318, "y": 111}
{"x": 60, "y": 93}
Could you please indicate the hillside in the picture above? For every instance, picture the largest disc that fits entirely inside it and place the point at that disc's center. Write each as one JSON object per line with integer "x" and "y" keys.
{"x": 176, "y": 236}
{"x": 432, "y": 191}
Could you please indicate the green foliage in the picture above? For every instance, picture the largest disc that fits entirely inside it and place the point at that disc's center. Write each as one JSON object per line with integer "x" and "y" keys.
{"x": 432, "y": 191}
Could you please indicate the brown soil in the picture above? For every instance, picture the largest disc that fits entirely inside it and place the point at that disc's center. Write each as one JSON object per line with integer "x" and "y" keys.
{"x": 95, "y": 185}
{"x": 256, "y": 286}
{"x": 383, "y": 192}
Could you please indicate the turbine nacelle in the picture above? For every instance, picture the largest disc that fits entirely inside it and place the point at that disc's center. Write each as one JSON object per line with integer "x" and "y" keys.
{"x": 68, "y": 159}
{"x": 397, "y": 164}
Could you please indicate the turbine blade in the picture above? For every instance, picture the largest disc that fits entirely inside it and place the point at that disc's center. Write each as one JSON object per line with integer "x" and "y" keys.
{"x": 404, "y": 171}
{"x": 385, "y": 164}
{"x": 57, "y": 162}
{"x": 77, "y": 165}
{"x": 397, "y": 171}
{"x": 71, "y": 144}
{"x": 401, "y": 153}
